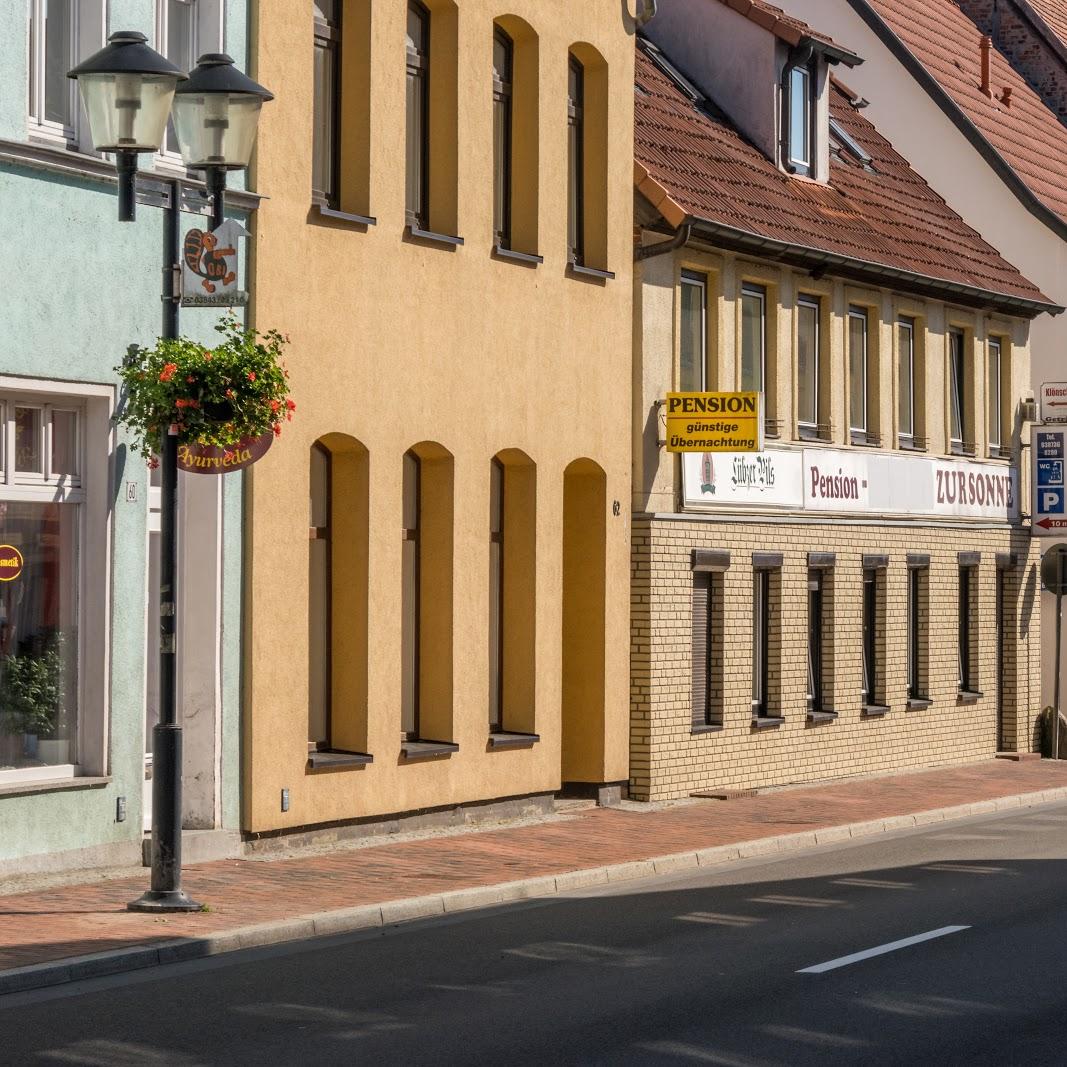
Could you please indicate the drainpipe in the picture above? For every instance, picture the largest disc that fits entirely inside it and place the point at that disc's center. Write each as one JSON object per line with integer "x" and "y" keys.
{"x": 799, "y": 56}
{"x": 661, "y": 248}
{"x": 646, "y": 11}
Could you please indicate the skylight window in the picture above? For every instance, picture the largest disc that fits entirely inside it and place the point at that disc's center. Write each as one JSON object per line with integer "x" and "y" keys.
{"x": 849, "y": 144}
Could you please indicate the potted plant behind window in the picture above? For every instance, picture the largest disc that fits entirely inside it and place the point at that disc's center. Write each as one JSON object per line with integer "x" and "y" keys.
{"x": 31, "y": 695}
{"x": 226, "y": 404}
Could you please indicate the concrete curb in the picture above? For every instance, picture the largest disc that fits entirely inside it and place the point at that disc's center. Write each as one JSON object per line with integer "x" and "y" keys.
{"x": 392, "y": 912}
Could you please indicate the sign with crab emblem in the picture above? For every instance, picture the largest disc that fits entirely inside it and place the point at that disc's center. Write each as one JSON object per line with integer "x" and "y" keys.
{"x": 209, "y": 267}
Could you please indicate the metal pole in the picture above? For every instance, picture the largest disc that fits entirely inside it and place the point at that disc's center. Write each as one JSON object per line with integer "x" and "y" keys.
{"x": 1056, "y": 699}
{"x": 215, "y": 179}
{"x": 166, "y": 892}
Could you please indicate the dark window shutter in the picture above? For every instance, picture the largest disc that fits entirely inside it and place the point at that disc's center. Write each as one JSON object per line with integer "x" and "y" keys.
{"x": 701, "y": 598}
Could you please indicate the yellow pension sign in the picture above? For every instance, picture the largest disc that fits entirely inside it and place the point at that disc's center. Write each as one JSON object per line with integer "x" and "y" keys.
{"x": 714, "y": 422}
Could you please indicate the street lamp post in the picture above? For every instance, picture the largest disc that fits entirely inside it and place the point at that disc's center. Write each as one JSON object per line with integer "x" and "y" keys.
{"x": 129, "y": 90}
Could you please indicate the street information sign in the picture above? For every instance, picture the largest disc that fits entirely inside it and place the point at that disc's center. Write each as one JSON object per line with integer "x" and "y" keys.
{"x": 1054, "y": 402}
{"x": 714, "y": 422}
{"x": 1049, "y": 511}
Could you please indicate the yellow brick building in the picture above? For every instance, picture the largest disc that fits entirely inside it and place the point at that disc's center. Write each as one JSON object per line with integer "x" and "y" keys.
{"x": 861, "y": 595}
{"x": 438, "y": 547}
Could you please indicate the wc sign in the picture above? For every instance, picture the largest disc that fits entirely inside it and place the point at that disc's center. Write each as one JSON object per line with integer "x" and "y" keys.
{"x": 1050, "y": 486}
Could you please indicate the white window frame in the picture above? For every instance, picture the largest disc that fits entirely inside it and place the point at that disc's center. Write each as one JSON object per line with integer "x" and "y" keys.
{"x": 698, "y": 281}
{"x": 87, "y": 33}
{"x": 759, "y": 292}
{"x": 907, "y": 439}
{"x": 995, "y": 430}
{"x": 957, "y": 387}
{"x": 807, "y": 78}
{"x": 91, "y": 490}
{"x": 209, "y": 35}
{"x": 812, "y": 303}
{"x": 860, "y": 313}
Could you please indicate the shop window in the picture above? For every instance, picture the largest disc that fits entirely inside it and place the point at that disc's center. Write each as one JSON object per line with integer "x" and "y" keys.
{"x": 432, "y": 104}
{"x": 961, "y": 395}
{"x": 918, "y": 630}
{"x": 587, "y": 157}
{"x": 338, "y": 551}
{"x": 52, "y": 710}
{"x": 693, "y": 332}
{"x": 809, "y": 370}
{"x": 708, "y": 651}
{"x": 512, "y": 592}
{"x": 873, "y": 696}
{"x": 427, "y": 594}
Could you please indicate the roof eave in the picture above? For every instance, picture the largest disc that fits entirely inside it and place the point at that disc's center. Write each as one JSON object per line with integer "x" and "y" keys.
{"x": 817, "y": 259}
{"x": 832, "y": 52}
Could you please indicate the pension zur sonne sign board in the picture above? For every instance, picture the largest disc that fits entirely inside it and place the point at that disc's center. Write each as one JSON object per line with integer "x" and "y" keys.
{"x": 714, "y": 422}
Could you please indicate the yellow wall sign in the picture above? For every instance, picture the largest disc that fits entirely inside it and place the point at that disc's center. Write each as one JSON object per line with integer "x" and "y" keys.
{"x": 714, "y": 422}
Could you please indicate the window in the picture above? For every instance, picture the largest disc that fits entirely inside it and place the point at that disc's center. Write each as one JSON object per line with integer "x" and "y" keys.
{"x": 503, "y": 80}
{"x": 994, "y": 396}
{"x": 753, "y": 338}
{"x": 576, "y": 160}
{"x": 496, "y": 595}
{"x": 177, "y": 41}
{"x": 967, "y": 678}
{"x": 906, "y": 383}
{"x": 319, "y": 582}
{"x": 41, "y": 500}
{"x": 815, "y": 640}
{"x": 692, "y": 353}
{"x": 410, "y": 599}
{"x": 801, "y": 120}
{"x": 761, "y": 629}
{"x": 53, "y": 51}
{"x": 808, "y": 310}
{"x": 872, "y": 638}
{"x": 857, "y": 373}
{"x": 957, "y": 375}
{"x": 418, "y": 116}
{"x": 917, "y": 631}
{"x": 708, "y": 631}
{"x": 325, "y": 156}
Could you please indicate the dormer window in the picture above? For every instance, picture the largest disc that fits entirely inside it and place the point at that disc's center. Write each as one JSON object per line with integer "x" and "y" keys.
{"x": 801, "y": 110}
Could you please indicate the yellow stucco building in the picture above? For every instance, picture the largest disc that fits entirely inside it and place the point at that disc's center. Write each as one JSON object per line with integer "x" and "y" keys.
{"x": 438, "y": 547}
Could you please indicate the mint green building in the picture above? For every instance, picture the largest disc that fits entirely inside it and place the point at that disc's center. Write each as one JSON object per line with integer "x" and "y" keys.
{"x": 79, "y": 516}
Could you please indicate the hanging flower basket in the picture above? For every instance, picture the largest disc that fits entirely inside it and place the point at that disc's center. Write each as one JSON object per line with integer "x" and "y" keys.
{"x": 221, "y": 401}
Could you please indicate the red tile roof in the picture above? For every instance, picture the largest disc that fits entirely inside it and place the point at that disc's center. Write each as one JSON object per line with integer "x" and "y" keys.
{"x": 693, "y": 165}
{"x": 1027, "y": 135}
{"x": 1054, "y": 15}
{"x": 787, "y": 28}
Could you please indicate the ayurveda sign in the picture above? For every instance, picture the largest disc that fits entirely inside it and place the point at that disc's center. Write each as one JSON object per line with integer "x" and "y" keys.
{"x": 213, "y": 459}
{"x": 714, "y": 422}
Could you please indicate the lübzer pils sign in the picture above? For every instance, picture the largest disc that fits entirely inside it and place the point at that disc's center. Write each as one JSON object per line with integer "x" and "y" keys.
{"x": 213, "y": 459}
{"x": 826, "y": 479}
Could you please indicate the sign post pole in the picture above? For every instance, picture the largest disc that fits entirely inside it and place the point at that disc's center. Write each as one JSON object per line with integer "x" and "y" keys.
{"x": 1056, "y": 699}
{"x": 1054, "y": 579}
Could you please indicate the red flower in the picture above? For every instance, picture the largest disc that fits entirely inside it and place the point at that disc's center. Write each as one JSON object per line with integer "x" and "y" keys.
{"x": 207, "y": 355}
{"x": 251, "y": 375}
{"x": 153, "y": 464}
{"x": 168, "y": 372}
{"x": 291, "y": 405}
{"x": 229, "y": 393}
{"x": 274, "y": 405}
{"x": 181, "y": 402}
{"x": 277, "y": 430}
{"x": 190, "y": 379}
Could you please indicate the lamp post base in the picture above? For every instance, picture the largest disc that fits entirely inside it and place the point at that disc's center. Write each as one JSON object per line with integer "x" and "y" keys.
{"x": 164, "y": 900}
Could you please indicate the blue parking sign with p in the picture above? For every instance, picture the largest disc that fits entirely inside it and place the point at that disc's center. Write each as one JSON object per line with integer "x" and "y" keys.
{"x": 1050, "y": 500}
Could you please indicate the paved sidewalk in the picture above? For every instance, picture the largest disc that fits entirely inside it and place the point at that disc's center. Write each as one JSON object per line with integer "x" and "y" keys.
{"x": 267, "y": 901}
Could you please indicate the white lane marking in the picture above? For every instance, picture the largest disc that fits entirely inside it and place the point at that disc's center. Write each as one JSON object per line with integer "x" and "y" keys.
{"x": 881, "y": 950}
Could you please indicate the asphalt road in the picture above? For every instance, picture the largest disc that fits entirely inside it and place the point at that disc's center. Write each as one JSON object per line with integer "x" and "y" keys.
{"x": 691, "y": 969}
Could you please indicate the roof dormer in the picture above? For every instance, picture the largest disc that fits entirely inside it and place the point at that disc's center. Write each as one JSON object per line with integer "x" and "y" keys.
{"x": 769, "y": 72}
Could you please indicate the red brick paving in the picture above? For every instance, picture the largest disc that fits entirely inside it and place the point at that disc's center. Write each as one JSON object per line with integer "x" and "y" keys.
{"x": 76, "y": 920}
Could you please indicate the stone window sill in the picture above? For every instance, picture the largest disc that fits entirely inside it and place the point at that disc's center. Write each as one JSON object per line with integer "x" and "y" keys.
{"x": 336, "y": 215}
{"x": 919, "y": 703}
{"x": 322, "y": 758}
{"x": 531, "y": 259}
{"x": 875, "y": 711}
{"x": 767, "y": 722}
{"x": 512, "y": 739}
{"x": 55, "y": 785}
{"x": 444, "y": 239}
{"x": 968, "y": 696}
{"x": 822, "y": 715}
{"x": 590, "y": 272}
{"x": 414, "y": 750}
{"x": 706, "y": 728}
